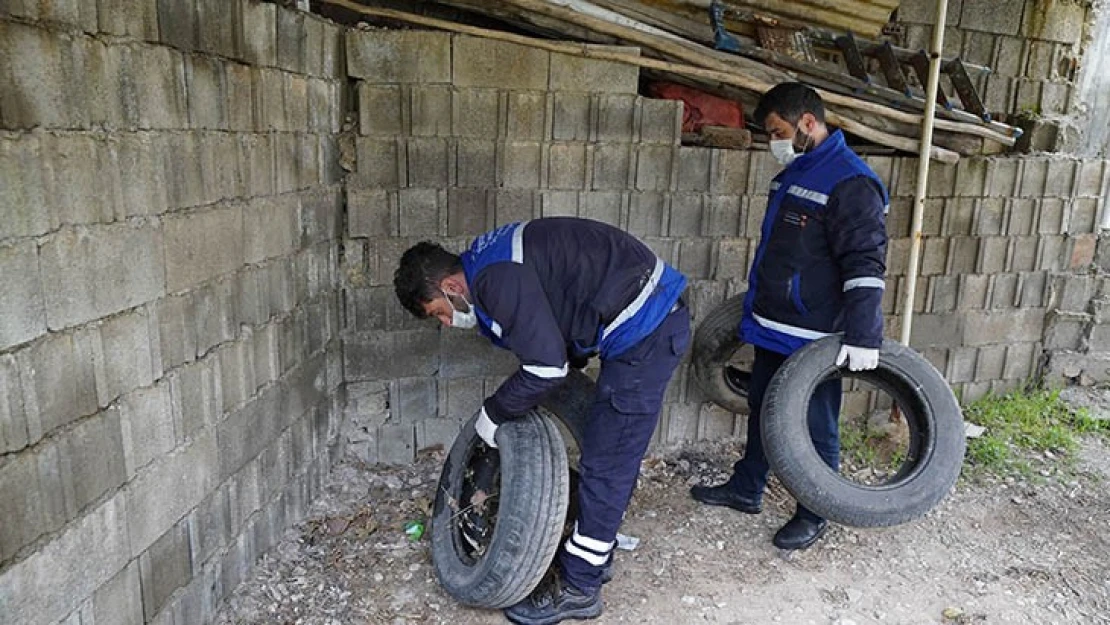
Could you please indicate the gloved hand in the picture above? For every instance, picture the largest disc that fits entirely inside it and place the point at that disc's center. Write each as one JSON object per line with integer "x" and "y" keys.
{"x": 486, "y": 428}
{"x": 858, "y": 358}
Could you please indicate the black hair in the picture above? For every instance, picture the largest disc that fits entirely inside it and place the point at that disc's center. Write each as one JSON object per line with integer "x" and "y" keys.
{"x": 789, "y": 100}
{"x": 423, "y": 266}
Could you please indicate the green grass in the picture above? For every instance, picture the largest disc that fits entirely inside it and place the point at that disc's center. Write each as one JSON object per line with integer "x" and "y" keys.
{"x": 1021, "y": 427}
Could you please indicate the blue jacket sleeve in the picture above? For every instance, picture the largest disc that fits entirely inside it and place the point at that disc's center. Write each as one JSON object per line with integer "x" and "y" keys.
{"x": 511, "y": 295}
{"x": 857, "y": 238}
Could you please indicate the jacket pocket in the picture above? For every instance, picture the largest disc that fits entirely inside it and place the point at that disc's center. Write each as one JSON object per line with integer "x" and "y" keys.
{"x": 796, "y": 294}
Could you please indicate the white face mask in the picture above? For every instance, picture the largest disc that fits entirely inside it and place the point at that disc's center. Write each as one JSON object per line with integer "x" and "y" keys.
{"x": 783, "y": 151}
{"x": 459, "y": 319}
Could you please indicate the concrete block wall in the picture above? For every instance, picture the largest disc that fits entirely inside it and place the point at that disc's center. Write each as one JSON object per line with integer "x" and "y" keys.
{"x": 451, "y": 147}
{"x": 169, "y": 351}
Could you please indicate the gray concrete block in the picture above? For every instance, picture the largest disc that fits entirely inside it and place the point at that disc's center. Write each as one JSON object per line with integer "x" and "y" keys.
{"x": 35, "y": 92}
{"x": 21, "y": 502}
{"x": 58, "y": 385}
{"x": 73, "y": 167}
{"x": 431, "y": 433}
{"x": 1089, "y": 182}
{"x": 963, "y": 254}
{"x": 176, "y": 330}
{"x": 959, "y": 216}
{"x": 616, "y": 117}
{"x": 570, "y": 117}
{"x": 399, "y": 56}
{"x": 68, "y": 569}
{"x": 992, "y": 254}
{"x": 1004, "y": 291}
{"x": 521, "y": 163}
{"x": 136, "y": 19}
{"x": 270, "y": 228}
{"x": 258, "y": 38}
{"x": 566, "y": 165}
{"x": 686, "y": 215}
{"x": 1066, "y": 331}
{"x": 146, "y": 424}
{"x": 576, "y": 73}
{"x": 159, "y": 75}
{"x": 990, "y": 216}
{"x": 196, "y": 397}
{"x": 732, "y": 260}
{"x": 1083, "y": 215}
{"x": 611, "y": 166}
{"x": 693, "y": 166}
{"x": 660, "y": 121}
{"x": 22, "y": 313}
{"x": 294, "y": 93}
{"x": 942, "y": 180}
{"x": 463, "y": 398}
{"x": 431, "y": 110}
{"x": 419, "y": 211}
{"x": 413, "y": 399}
{"x": 202, "y": 245}
{"x": 961, "y": 365}
{"x": 378, "y": 356}
{"x": 476, "y": 162}
{"x": 1052, "y": 253}
{"x": 268, "y": 99}
{"x": 1002, "y": 17}
{"x": 513, "y": 205}
{"x": 469, "y": 212}
{"x": 13, "y": 417}
{"x": 372, "y": 213}
{"x": 999, "y": 327}
{"x": 217, "y": 26}
{"x": 653, "y": 168}
{"x": 145, "y": 190}
{"x": 943, "y": 293}
{"x": 1061, "y": 22}
{"x": 24, "y": 195}
{"x": 379, "y": 109}
{"x": 181, "y": 161}
{"x": 1033, "y": 290}
{"x": 559, "y": 204}
{"x": 237, "y": 380}
{"x": 695, "y": 258}
{"x": 480, "y": 62}
{"x": 164, "y": 568}
{"x": 1020, "y": 216}
{"x": 1002, "y": 177}
{"x": 93, "y": 451}
{"x": 1034, "y": 173}
{"x": 974, "y": 290}
{"x": 761, "y": 171}
{"x": 941, "y": 330}
{"x": 396, "y": 443}
{"x": 381, "y": 163}
{"x": 934, "y": 256}
{"x": 177, "y": 23}
{"x": 971, "y": 176}
{"x": 604, "y": 206}
{"x": 209, "y": 527}
{"x": 119, "y": 600}
{"x": 1021, "y": 360}
{"x": 217, "y": 314}
{"x": 729, "y": 172}
{"x": 291, "y": 37}
{"x": 925, "y": 13}
{"x": 124, "y": 362}
{"x": 529, "y": 116}
{"x": 468, "y": 355}
{"x": 722, "y": 216}
{"x": 648, "y": 213}
{"x": 323, "y": 99}
{"x": 267, "y": 362}
{"x": 254, "y": 431}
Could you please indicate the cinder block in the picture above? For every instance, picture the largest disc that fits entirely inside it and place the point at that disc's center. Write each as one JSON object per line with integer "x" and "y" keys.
{"x": 294, "y": 90}
{"x": 571, "y": 117}
{"x": 291, "y": 37}
{"x": 566, "y": 165}
{"x": 559, "y": 203}
{"x": 1083, "y": 216}
{"x": 268, "y": 99}
{"x": 1020, "y": 360}
{"x": 124, "y": 361}
{"x": 13, "y": 417}
{"x": 36, "y": 92}
{"x": 476, "y": 114}
{"x": 202, "y": 245}
{"x": 270, "y": 228}
{"x": 1022, "y": 255}
{"x": 941, "y": 330}
{"x": 1004, "y": 291}
{"x": 22, "y": 315}
{"x": 119, "y": 600}
{"x": 1061, "y": 178}
{"x": 431, "y": 110}
{"x": 323, "y": 99}
{"x": 934, "y": 256}
{"x": 177, "y": 23}
{"x": 682, "y": 422}
{"x": 729, "y": 171}
{"x": 660, "y": 121}
{"x": 1089, "y": 180}
{"x": 1020, "y": 216}
{"x": 942, "y": 180}
{"x": 1003, "y": 177}
{"x": 400, "y": 56}
{"x": 129, "y": 18}
{"x": 319, "y": 215}
{"x": 971, "y": 176}
{"x": 653, "y": 168}
{"x": 520, "y": 164}
{"x": 990, "y": 216}
{"x": 1052, "y": 253}
{"x": 693, "y": 169}
{"x": 216, "y": 314}
{"x": 1062, "y": 22}
{"x": 413, "y": 399}
{"x": 206, "y": 86}
{"x": 24, "y": 194}
{"x": 695, "y": 258}
{"x": 616, "y": 116}
{"x": 21, "y": 501}
{"x": 943, "y": 294}
{"x": 999, "y": 327}
{"x": 530, "y": 115}
{"x": 94, "y": 451}
{"x": 480, "y": 62}
{"x": 258, "y": 41}
{"x": 1002, "y": 17}
{"x": 69, "y": 568}
{"x": 419, "y": 211}
{"x": 333, "y": 59}
{"x": 236, "y": 373}
{"x": 176, "y": 330}
{"x": 216, "y": 26}
{"x": 429, "y": 163}
{"x": 164, "y": 568}
{"x": 963, "y": 253}
{"x": 73, "y": 167}
{"x": 686, "y": 215}
{"x": 378, "y": 356}
{"x": 476, "y": 162}
{"x": 513, "y": 205}
{"x": 255, "y": 156}
{"x": 761, "y": 171}
{"x": 436, "y": 433}
{"x": 98, "y": 272}
{"x": 372, "y": 213}
{"x": 146, "y": 424}
{"x": 998, "y": 96}
{"x": 611, "y": 163}
{"x": 576, "y": 73}
{"x": 732, "y": 260}
{"x": 992, "y": 254}
{"x": 959, "y": 216}
{"x": 978, "y": 47}
{"x": 1082, "y": 255}
{"x": 315, "y": 56}
{"x": 647, "y": 214}
{"x": 1051, "y": 216}
{"x": 140, "y": 164}
{"x": 604, "y": 206}
{"x": 468, "y": 212}
{"x": 1066, "y": 331}
{"x": 159, "y": 75}
{"x": 286, "y": 162}
{"x": 396, "y": 443}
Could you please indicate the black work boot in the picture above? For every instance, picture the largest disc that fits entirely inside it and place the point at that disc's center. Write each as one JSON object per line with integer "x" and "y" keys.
{"x": 554, "y": 601}
{"x": 801, "y": 531}
{"x": 724, "y": 495}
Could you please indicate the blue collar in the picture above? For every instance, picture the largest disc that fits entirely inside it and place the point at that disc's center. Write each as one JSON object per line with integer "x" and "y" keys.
{"x": 832, "y": 143}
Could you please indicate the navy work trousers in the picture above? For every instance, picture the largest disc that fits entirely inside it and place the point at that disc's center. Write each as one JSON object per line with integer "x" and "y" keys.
{"x": 749, "y": 474}
{"x": 622, "y": 419}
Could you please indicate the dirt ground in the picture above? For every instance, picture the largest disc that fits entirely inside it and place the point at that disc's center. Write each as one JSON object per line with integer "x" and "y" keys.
{"x": 996, "y": 551}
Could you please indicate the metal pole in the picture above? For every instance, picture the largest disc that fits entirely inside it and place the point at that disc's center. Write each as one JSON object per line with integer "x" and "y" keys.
{"x": 923, "y": 168}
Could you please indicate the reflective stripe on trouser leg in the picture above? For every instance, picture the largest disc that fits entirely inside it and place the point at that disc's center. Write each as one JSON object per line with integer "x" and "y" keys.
{"x": 622, "y": 420}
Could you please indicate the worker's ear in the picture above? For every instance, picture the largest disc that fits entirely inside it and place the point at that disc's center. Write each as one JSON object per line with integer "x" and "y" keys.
{"x": 454, "y": 284}
{"x": 808, "y": 123}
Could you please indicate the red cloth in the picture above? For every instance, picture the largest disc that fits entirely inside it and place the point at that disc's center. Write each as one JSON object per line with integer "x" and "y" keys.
{"x": 699, "y": 108}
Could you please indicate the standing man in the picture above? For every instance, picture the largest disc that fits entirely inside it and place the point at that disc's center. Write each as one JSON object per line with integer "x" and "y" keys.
{"x": 818, "y": 270}
{"x": 555, "y": 291}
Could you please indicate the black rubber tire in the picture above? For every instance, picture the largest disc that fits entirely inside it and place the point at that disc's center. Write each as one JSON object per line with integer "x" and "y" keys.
{"x": 932, "y": 413}
{"x": 715, "y": 343}
{"x": 570, "y": 403}
{"x": 532, "y": 506}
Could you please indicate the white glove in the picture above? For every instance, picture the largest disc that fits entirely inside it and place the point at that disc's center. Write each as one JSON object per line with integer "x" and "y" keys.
{"x": 858, "y": 358}
{"x": 486, "y": 428}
